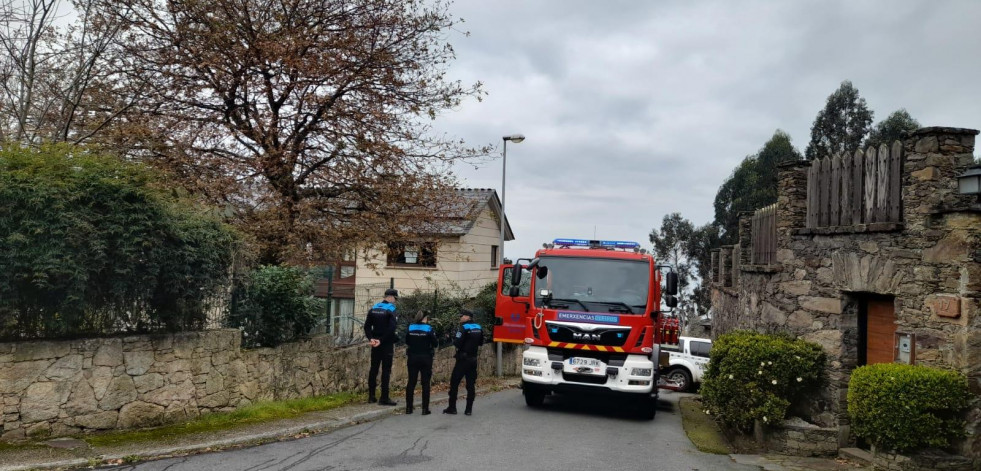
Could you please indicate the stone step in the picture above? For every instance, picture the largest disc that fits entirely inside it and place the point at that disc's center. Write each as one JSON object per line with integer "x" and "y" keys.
{"x": 855, "y": 454}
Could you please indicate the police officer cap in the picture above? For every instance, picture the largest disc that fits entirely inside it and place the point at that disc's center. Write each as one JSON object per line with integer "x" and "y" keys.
{"x": 392, "y": 292}
{"x": 466, "y": 312}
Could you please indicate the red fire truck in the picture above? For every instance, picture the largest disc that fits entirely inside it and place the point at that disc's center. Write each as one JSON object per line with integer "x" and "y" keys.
{"x": 590, "y": 314}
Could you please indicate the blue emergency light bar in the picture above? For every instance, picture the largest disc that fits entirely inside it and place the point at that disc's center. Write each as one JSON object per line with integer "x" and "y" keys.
{"x": 619, "y": 244}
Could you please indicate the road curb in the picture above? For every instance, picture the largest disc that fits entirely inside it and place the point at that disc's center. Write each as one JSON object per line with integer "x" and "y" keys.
{"x": 285, "y": 434}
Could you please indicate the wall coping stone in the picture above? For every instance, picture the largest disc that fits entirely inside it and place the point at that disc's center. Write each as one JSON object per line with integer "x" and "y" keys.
{"x": 856, "y": 229}
{"x": 789, "y": 164}
{"x": 974, "y": 208}
{"x": 943, "y": 130}
{"x": 725, "y": 289}
{"x": 761, "y": 268}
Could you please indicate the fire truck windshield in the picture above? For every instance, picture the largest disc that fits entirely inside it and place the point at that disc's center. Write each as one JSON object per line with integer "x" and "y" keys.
{"x": 594, "y": 284}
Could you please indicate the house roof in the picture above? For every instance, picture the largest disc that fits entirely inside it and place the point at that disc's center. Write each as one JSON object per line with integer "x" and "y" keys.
{"x": 460, "y": 220}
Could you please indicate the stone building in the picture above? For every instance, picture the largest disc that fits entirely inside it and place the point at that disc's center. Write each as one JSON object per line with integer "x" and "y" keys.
{"x": 902, "y": 287}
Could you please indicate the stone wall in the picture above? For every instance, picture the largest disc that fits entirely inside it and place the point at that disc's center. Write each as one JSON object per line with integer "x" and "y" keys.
{"x": 69, "y": 387}
{"x": 925, "y": 461}
{"x": 927, "y": 265}
{"x": 795, "y": 437}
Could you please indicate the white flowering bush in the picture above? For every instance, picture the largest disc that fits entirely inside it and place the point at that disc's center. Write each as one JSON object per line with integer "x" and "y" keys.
{"x": 756, "y": 376}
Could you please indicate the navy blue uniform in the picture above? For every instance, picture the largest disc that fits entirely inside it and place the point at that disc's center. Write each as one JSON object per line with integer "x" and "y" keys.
{"x": 467, "y": 342}
{"x": 421, "y": 342}
{"x": 380, "y": 324}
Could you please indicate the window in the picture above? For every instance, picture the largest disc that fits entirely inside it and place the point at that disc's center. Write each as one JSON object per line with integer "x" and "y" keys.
{"x": 524, "y": 287}
{"x": 342, "y": 318}
{"x": 680, "y": 348}
{"x": 347, "y": 271}
{"x": 412, "y": 254}
{"x": 700, "y": 349}
{"x": 493, "y": 256}
{"x": 595, "y": 284}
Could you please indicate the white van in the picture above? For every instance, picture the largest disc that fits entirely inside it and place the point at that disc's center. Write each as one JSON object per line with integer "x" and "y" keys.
{"x": 687, "y": 362}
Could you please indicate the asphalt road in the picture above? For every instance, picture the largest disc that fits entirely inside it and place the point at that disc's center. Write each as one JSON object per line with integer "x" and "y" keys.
{"x": 567, "y": 434}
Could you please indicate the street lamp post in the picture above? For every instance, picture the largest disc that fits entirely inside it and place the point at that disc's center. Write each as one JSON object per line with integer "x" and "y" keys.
{"x": 515, "y": 138}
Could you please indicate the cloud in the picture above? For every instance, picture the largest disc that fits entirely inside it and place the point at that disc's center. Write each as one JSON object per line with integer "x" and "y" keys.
{"x": 633, "y": 110}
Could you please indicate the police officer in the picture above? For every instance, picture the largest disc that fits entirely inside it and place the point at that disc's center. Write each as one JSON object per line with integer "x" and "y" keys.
{"x": 379, "y": 328}
{"x": 468, "y": 340}
{"x": 421, "y": 342}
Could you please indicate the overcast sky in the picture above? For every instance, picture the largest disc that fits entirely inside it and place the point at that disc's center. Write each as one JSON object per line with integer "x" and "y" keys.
{"x": 636, "y": 109}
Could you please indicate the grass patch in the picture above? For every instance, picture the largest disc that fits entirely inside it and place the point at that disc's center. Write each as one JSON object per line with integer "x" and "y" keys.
{"x": 261, "y": 412}
{"x": 701, "y": 429}
{"x": 5, "y": 447}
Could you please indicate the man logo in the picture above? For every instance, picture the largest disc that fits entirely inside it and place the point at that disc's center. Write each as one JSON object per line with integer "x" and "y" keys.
{"x": 584, "y": 336}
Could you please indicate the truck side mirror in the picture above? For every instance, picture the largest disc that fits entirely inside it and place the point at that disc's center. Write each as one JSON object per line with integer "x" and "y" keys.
{"x": 671, "y": 301}
{"x": 516, "y": 276}
{"x": 672, "y": 283}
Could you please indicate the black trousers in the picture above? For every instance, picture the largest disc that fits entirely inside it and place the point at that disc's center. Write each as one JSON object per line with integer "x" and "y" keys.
{"x": 380, "y": 356}
{"x": 465, "y": 367}
{"x": 419, "y": 365}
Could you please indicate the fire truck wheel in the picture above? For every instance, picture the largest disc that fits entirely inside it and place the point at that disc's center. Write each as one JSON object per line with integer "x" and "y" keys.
{"x": 534, "y": 397}
{"x": 648, "y": 408}
{"x": 681, "y": 377}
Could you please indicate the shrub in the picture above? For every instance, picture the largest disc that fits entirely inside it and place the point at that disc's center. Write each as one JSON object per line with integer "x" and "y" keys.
{"x": 444, "y": 308}
{"x": 274, "y": 305}
{"x": 902, "y": 407}
{"x": 92, "y": 245}
{"x": 754, "y": 376}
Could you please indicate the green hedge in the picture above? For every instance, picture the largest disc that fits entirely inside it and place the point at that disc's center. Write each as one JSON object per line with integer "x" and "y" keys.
{"x": 274, "y": 305}
{"x": 91, "y": 245}
{"x": 903, "y": 407}
{"x": 754, "y": 376}
{"x": 444, "y": 308}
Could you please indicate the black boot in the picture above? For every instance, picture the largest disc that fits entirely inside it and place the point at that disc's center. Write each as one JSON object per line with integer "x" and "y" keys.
{"x": 426, "y": 412}
{"x": 450, "y": 410}
{"x": 408, "y": 409}
{"x": 372, "y": 400}
{"x": 387, "y": 402}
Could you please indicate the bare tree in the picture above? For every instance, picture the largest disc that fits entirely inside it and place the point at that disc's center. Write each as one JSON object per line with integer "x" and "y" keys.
{"x": 309, "y": 119}
{"x": 54, "y": 71}
{"x": 25, "y": 31}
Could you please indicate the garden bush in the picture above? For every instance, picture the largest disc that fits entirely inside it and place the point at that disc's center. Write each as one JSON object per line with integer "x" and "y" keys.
{"x": 93, "y": 245}
{"x": 444, "y": 308}
{"x": 902, "y": 407}
{"x": 274, "y": 305}
{"x": 753, "y": 376}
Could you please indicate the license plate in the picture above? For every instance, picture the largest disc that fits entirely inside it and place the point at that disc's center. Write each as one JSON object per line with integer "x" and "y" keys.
{"x": 576, "y": 361}
{"x": 585, "y": 366}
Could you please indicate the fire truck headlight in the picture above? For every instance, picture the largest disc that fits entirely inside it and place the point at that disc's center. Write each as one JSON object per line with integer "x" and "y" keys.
{"x": 641, "y": 371}
{"x": 533, "y": 362}
{"x": 647, "y": 350}
{"x": 533, "y": 372}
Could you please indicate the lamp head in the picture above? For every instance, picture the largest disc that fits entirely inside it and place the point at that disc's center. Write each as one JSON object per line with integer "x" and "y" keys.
{"x": 969, "y": 182}
{"x": 515, "y": 138}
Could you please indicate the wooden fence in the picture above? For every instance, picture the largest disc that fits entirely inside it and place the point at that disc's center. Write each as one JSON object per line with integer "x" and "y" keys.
{"x": 764, "y": 233}
{"x": 863, "y": 188}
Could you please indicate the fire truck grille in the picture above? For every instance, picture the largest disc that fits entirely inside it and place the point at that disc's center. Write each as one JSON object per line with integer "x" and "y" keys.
{"x": 588, "y": 379}
{"x": 612, "y": 336}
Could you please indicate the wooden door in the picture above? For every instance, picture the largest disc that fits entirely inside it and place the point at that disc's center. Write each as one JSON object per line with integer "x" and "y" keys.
{"x": 881, "y": 331}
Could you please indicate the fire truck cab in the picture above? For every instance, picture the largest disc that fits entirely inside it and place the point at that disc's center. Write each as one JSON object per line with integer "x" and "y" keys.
{"x": 590, "y": 314}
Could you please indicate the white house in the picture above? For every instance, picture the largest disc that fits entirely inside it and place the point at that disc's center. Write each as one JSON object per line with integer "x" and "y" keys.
{"x": 460, "y": 257}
